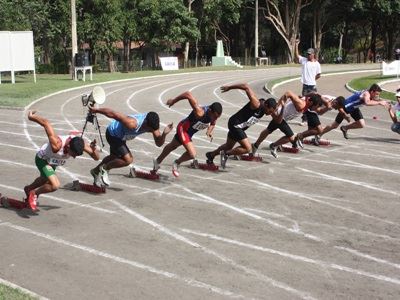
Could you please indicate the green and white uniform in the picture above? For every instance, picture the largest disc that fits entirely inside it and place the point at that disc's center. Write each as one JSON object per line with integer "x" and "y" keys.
{"x": 47, "y": 161}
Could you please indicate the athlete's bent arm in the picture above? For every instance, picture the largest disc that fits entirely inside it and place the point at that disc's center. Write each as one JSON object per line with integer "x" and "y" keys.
{"x": 254, "y": 102}
{"x": 91, "y": 150}
{"x": 128, "y": 122}
{"x": 54, "y": 141}
{"x": 199, "y": 112}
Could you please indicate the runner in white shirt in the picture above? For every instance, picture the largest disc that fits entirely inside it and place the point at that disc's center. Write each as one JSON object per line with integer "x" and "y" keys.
{"x": 51, "y": 155}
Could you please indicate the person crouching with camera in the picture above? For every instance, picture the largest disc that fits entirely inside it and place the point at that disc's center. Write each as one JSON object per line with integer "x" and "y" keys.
{"x": 121, "y": 129}
{"x": 50, "y": 156}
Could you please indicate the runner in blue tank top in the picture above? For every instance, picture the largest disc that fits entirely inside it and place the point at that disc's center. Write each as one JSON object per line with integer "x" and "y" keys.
{"x": 201, "y": 117}
{"x": 121, "y": 129}
{"x": 351, "y": 105}
{"x": 247, "y": 116}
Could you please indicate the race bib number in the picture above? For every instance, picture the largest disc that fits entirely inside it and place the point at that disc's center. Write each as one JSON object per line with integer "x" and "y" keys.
{"x": 56, "y": 161}
{"x": 248, "y": 123}
{"x": 200, "y": 125}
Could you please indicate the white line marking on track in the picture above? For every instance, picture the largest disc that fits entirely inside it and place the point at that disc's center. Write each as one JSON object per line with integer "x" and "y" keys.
{"x": 358, "y": 183}
{"x": 367, "y": 256}
{"x": 249, "y": 214}
{"x": 189, "y": 281}
{"x": 213, "y": 253}
{"x": 296, "y": 257}
{"x": 300, "y": 195}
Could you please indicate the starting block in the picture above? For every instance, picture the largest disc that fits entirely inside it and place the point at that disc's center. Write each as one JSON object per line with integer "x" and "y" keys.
{"x": 152, "y": 175}
{"x": 204, "y": 166}
{"x": 9, "y": 202}
{"x": 248, "y": 157}
{"x": 78, "y": 186}
{"x": 288, "y": 149}
{"x": 312, "y": 142}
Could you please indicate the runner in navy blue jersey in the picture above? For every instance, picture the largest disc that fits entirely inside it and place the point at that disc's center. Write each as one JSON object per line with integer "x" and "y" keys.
{"x": 247, "y": 116}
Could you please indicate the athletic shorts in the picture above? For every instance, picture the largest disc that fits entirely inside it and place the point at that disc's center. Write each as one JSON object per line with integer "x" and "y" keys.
{"x": 312, "y": 119}
{"x": 236, "y": 134}
{"x": 396, "y": 127}
{"x": 308, "y": 89}
{"x": 283, "y": 126}
{"x": 118, "y": 147}
{"x": 44, "y": 168}
{"x": 182, "y": 136}
{"x": 355, "y": 114}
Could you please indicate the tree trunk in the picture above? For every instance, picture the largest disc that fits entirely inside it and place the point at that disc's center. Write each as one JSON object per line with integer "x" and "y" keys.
{"x": 187, "y": 43}
{"x": 127, "y": 51}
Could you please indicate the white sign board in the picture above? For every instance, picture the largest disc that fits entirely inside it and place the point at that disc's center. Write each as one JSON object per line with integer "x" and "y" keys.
{"x": 391, "y": 69}
{"x": 17, "y": 52}
{"x": 169, "y": 63}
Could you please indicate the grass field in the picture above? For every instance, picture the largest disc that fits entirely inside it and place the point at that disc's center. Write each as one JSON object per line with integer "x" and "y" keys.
{"x": 13, "y": 294}
{"x": 365, "y": 82}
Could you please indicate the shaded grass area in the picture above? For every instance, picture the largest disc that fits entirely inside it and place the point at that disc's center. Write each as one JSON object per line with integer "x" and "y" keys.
{"x": 363, "y": 83}
{"x": 24, "y": 91}
{"x": 9, "y": 293}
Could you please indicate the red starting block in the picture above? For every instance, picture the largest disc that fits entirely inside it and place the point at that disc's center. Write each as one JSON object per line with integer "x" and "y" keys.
{"x": 204, "y": 166}
{"x": 78, "y": 186}
{"x": 9, "y": 202}
{"x": 152, "y": 175}
{"x": 248, "y": 157}
{"x": 321, "y": 142}
{"x": 288, "y": 149}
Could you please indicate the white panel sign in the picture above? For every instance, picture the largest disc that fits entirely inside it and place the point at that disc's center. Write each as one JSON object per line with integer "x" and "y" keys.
{"x": 5, "y": 53}
{"x": 169, "y": 63}
{"x": 391, "y": 69}
{"x": 22, "y": 50}
{"x": 17, "y": 52}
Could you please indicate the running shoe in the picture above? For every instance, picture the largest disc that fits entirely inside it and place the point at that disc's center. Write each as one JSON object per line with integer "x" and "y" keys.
{"x": 104, "y": 176}
{"x": 224, "y": 158}
{"x": 254, "y": 149}
{"x": 344, "y": 131}
{"x": 175, "y": 170}
{"x": 274, "y": 150}
{"x": 156, "y": 165}
{"x": 195, "y": 163}
{"x": 32, "y": 199}
{"x": 316, "y": 140}
{"x": 210, "y": 159}
{"x": 299, "y": 142}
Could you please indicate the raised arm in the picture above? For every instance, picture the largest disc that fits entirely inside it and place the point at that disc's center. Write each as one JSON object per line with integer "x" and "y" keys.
{"x": 199, "y": 112}
{"x": 54, "y": 141}
{"x": 254, "y": 102}
{"x": 128, "y": 122}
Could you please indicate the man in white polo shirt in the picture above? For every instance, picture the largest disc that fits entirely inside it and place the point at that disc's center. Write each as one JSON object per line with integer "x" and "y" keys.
{"x": 310, "y": 71}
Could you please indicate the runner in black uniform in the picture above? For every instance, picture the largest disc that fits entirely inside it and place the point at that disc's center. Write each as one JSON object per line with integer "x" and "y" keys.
{"x": 248, "y": 115}
{"x": 201, "y": 117}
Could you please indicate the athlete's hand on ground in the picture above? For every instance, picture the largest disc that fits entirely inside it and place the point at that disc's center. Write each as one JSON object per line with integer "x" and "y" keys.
{"x": 211, "y": 137}
{"x": 170, "y": 102}
{"x": 224, "y": 88}
{"x": 93, "y": 144}
{"x": 168, "y": 128}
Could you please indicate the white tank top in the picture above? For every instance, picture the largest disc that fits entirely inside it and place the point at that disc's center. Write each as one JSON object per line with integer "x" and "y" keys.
{"x": 290, "y": 112}
{"x": 55, "y": 159}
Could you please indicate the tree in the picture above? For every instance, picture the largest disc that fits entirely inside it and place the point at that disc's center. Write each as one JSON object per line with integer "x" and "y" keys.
{"x": 129, "y": 29}
{"x": 221, "y": 14}
{"x": 284, "y": 15}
